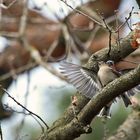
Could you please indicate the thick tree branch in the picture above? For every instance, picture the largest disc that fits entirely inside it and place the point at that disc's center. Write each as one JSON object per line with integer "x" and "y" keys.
{"x": 66, "y": 125}
{"x": 79, "y": 126}
{"x": 108, "y": 93}
{"x": 130, "y": 129}
{"x": 117, "y": 53}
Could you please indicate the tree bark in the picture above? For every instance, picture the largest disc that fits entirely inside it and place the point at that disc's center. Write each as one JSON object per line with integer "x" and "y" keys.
{"x": 130, "y": 129}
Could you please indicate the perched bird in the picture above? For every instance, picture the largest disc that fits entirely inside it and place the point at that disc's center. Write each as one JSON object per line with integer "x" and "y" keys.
{"x": 106, "y": 74}
{"x": 88, "y": 82}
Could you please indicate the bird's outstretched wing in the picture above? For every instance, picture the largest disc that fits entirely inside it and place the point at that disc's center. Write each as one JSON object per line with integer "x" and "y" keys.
{"x": 82, "y": 78}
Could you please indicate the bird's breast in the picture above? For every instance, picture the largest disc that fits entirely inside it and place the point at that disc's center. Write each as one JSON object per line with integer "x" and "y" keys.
{"x": 106, "y": 75}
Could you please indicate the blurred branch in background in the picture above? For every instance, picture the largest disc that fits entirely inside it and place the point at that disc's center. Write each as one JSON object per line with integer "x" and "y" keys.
{"x": 30, "y": 112}
{"x": 138, "y": 1}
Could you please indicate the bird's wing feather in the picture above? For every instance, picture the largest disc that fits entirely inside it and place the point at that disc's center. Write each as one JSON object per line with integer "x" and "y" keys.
{"x": 83, "y": 79}
{"x": 116, "y": 72}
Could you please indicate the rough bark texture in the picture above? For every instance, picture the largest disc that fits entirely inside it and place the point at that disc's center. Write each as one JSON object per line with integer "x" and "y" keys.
{"x": 130, "y": 129}
{"x": 117, "y": 53}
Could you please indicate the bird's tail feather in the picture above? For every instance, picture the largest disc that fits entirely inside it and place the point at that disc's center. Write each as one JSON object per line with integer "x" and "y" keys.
{"x": 126, "y": 99}
{"x": 105, "y": 112}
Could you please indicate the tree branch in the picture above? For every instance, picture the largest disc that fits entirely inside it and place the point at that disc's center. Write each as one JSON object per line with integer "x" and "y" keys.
{"x": 79, "y": 126}
{"x": 67, "y": 125}
{"x": 108, "y": 93}
{"x": 129, "y": 130}
{"x": 117, "y": 53}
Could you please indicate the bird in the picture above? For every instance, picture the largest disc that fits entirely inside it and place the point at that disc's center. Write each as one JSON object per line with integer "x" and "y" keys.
{"x": 89, "y": 83}
{"x": 106, "y": 74}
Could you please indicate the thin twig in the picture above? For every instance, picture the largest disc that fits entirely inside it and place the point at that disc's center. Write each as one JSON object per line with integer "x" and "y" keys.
{"x": 127, "y": 18}
{"x": 91, "y": 37}
{"x": 118, "y": 33}
{"x": 18, "y": 70}
{"x": 14, "y": 35}
{"x": 72, "y": 43}
{"x": 83, "y": 29}
{"x": 82, "y": 13}
{"x": 129, "y": 25}
{"x": 51, "y": 49}
{"x": 76, "y": 44}
{"x": 23, "y": 20}
{"x": 2, "y": 5}
{"x": 25, "y": 113}
{"x": 110, "y": 35}
{"x": 30, "y": 112}
{"x": 25, "y": 105}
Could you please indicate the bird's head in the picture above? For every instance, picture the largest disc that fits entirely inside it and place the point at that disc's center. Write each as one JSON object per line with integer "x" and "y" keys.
{"x": 110, "y": 63}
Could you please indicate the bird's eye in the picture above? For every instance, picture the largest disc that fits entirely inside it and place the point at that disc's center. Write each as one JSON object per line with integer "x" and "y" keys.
{"x": 110, "y": 63}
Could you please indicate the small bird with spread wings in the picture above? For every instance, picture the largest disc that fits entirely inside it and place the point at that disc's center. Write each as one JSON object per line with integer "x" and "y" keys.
{"x": 88, "y": 83}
